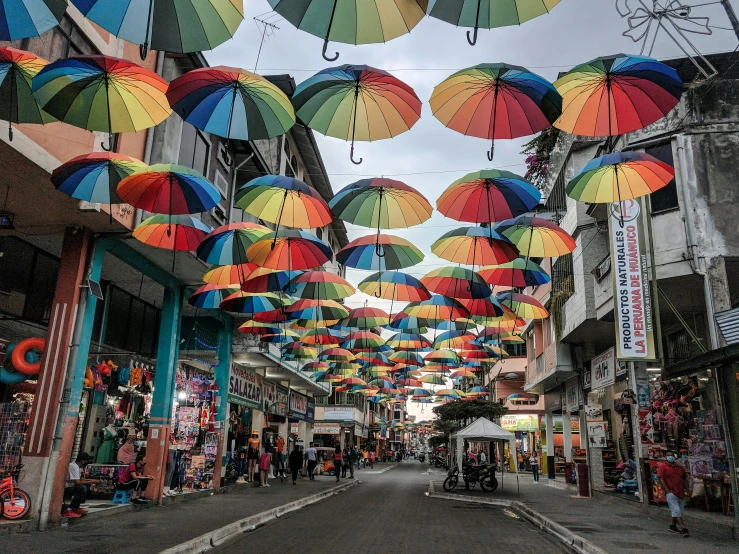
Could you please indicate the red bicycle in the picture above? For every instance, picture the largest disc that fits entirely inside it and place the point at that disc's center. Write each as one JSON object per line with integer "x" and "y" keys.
{"x": 14, "y": 502}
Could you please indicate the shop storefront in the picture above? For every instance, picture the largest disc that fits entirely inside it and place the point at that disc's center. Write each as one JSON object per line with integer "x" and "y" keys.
{"x": 244, "y": 415}
{"x": 276, "y": 398}
{"x": 326, "y": 434}
{"x": 302, "y": 413}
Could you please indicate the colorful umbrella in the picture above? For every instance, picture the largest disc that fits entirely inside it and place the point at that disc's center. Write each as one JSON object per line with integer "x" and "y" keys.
{"x": 456, "y": 282}
{"x": 353, "y": 381}
{"x": 231, "y": 103}
{"x": 248, "y": 303}
{"x": 488, "y": 14}
{"x": 459, "y": 324}
{"x": 227, "y": 244}
{"x": 463, "y": 373}
{"x": 229, "y": 274}
{"x": 356, "y": 102}
{"x": 316, "y": 313}
{"x": 433, "y": 380}
{"x": 379, "y": 252}
{"x": 263, "y": 279}
{"x": 315, "y": 367}
{"x": 363, "y": 340}
{"x": 101, "y": 93}
{"x": 211, "y": 296}
{"x": 453, "y": 339}
{"x": 614, "y": 95}
{"x": 17, "y": 70}
{"x": 181, "y": 26}
{"x": 289, "y": 249}
{"x": 336, "y": 355}
{"x": 273, "y": 316}
{"x": 523, "y": 305}
{"x": 496, "y": 101}
{"x": 394, "y": 285}
{"x": 619, "y": 176}
{"x": 322, "y": 285}
{"x": 298, "y": 351}
{"x": 321, "y": 336}
{"x": 408, "y": 341}
{"x": 351, "y": 22}
{"x": 474, "y": 245}
{"x": 482, "y": 307}
{"x": 449, "y": 393}
{"x": 283, "y": 336}
{"x": 410, "y": 324}
{"x": 519, "y": 273}
{"x": 408, "y": 358}
{"x": 365, "y": 318}
{"x": 169, "y": 189}
{"x": 536, "y": 237}
{"x": 436, "y": 308}
{"x": 175, "y": 232}
{"x": 523, "y": 398}
{"x": 29, "y": 18}
{"x": 94, "y": 177}
{"x": 252, "y": 327}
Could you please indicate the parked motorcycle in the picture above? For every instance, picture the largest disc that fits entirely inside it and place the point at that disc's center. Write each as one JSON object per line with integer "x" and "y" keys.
{"x": 421, "y": 457}
{"x": 472, "y": 474}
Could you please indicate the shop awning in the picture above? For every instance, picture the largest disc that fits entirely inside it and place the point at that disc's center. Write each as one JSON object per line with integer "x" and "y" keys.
{"x": 707, "y": 360}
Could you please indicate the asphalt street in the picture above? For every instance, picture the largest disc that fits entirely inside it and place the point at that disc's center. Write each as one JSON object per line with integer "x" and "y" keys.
{"x": 389, "y": 512}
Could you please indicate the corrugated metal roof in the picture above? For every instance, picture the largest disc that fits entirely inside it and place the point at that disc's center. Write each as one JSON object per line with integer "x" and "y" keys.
{"x": 728, "y": 322}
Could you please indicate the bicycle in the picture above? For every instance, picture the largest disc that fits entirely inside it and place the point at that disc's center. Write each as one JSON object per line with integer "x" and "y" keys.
{"x": 14, "y": 502}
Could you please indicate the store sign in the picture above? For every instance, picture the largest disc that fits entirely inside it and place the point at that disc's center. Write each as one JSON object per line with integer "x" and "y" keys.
{"x": 596, "y": 434}
{"x": 276, "y": 398}
{"x": 294, "y": 428}
{"x": 586, "y": 376}
{"x": 338, "y": 413}
{"x": 245, "y": 388}
{"x": 326, "y": 428}
{"x": 558, "y": 425}
{"x": 553, "y": 399}
{"x": 302, "y": 407}
{"x": 631, "y": 292}
{"x": 519, "y": 422}
{"x": 603, "y": 369}
{"x": 571, "y": 388}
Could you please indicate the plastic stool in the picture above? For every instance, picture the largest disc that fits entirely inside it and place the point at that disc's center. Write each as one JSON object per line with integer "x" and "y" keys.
{"x": 122, "y": 497}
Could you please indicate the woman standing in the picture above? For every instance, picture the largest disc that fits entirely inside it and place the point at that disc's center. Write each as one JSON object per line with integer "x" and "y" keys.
{"x": 295, "y": 462}
{"x": 264, "y": 462}
{"x": 534, "y": 463}
{"x": 338, "y": 462}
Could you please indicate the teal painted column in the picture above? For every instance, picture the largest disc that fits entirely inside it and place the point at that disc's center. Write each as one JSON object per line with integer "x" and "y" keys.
{"x": 167, "y": 352}
{"x": 222, "y": 373}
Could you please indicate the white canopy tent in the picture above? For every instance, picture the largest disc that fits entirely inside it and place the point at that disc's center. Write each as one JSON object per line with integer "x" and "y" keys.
{"x": 484, "y": 430}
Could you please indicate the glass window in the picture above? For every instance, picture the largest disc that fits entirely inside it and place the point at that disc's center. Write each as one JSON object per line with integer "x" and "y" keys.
{"x": 664, "y": 199}
{"x": 118, "y": 314}
{"x": 41, "y": 288}
{"x": 135, "y": 325}
{"x": 194, "y": 149}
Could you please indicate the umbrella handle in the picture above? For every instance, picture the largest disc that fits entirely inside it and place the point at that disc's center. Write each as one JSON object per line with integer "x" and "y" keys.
{"x": 473, "y": 39}
{"x": 351, "y": 157}
{"x": 491, "y": 153}
{"x": 325, "y": 57}
{"x": 143, "y": 50}
{"x": 110, "y": 144}
{"x": 10, "y": 132}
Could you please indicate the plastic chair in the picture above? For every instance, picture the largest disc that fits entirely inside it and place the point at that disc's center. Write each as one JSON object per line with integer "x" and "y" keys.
{"x": 122, "y": 497}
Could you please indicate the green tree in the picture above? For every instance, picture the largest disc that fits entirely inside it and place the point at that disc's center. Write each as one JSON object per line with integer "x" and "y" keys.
{"x": 463, "y": 412}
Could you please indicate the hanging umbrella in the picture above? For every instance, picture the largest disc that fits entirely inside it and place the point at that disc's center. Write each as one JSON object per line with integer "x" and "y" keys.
{"x": 474, "y": 245}
{"x": 94, "y": 177}
{"x": 231, "y": 103}
{"x": 496, "y": 101}
{"x": 356, "y": 102}
{"x": 536, "y": 237}
{"x": 21, "y": 19}
{"x": 436, "y": 308}
{"x": 523, "y": 398}
{"x": 433, "y": 380}
{"x": 452, "y": 339}
{"x": 283, "y": 336}
{"x": 336, "y": 355}
{"x": 101, "y": 93}
{"x": 264, "y": 279}
{"x": 394, "y": 285}
{"x": 211, "y": 296}
{"x": 248, "y": 303}
{"x": 365, "y": 318}
{"x": 496, "y": 332}
{"x": 289, "y": 249}
{"x": 322, "y": 285}
{"x": 351, "y": 22}
{"x": 614, "y": 95}
{"x": 482, "y": 307}
{"x": 176, "y": 232}
{"x": 313, "y": 313}
{"x": 449, "y": 393}
{"x": 227, "y": 244}
{"x": 488, "y": 14}
{"x": 17, "y": 70}
{"x": 273, "y": 316}
{"x": 298, "y": 351}
{"x": 379, "y": 252}
{"x": 408, "y": 341}
{"x": 410, "y": 324}
{"x": 459, "y": 324}
{"x": 519, "y": 273}
{"x": 228, "y": 274}
{"x": 619, "y": 176}
{"x": 463, "y": 373}
{"x": 321, "y": 336}
{"x": 456, "y": 282}
{"x": 443, "y": 359}
{"x": 353, "y": 381}
{"x": 181, "y": 26}
{"x": 523, "y": 305}
{"x": 252, "y": 327}
{"x": 315, "y": 367}
{"x": 363, "y": 340}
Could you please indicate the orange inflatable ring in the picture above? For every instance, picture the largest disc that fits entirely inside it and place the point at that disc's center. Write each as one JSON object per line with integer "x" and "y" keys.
{"x": 18, "y": 357}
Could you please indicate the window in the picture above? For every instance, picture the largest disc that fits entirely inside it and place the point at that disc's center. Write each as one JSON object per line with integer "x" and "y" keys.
{"x": 194, "y": 149}
{"x": 219, "y": 212}
{"x": 664, "y": 199}
{"x": 140, "y": 334}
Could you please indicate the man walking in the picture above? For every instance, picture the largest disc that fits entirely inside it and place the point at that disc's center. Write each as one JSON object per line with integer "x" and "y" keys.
{"x": 311, "y": 456}
{"x": 352, "y": 461}
{"x": 674, "y": 481}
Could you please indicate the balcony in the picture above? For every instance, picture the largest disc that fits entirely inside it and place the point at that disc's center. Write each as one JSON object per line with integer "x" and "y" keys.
{"x": 550, "y": 368}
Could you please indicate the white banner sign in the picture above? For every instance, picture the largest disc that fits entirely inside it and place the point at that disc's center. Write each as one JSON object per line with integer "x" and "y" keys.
{"x": 338, "y": 414}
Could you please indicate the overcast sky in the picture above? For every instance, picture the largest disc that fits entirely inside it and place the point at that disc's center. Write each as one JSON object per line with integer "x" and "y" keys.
{"x": 430, "y": 156}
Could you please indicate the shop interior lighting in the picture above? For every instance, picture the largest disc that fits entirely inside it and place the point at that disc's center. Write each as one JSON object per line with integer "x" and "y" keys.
{"x": 654, "y": 369}
{"x": 182, "y": 395}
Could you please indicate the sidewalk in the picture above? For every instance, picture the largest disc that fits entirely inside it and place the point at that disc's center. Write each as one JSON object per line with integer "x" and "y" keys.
{"x": 615, "y": 525}
{"x": 141, "y": 530}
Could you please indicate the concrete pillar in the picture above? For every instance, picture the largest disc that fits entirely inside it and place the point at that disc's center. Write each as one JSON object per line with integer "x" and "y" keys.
{"x": 160, "y": 426}
{"x": 567, "y": 436}
{"x": 222, "y": 373}
{"x": 550, "y": 445}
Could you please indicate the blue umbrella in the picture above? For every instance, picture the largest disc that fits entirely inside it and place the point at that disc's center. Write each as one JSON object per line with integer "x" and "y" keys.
{"x": 29, "y": 18}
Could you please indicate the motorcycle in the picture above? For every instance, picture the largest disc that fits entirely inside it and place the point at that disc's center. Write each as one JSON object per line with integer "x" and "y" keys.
{"x": 471, "y": 474}
{"x": 421, "y": 457}
{"x": 438, "y": 461}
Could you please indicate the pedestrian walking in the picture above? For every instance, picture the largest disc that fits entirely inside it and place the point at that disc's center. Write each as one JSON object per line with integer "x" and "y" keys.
{"x": 352, "y": 461}
{"x": 519, "y": 457}
{"x": 311, "y": 456}
{"x": 338, "y": 462}
{"x": 534, "y": 463}
{"x": 265, "y": 461}
{"x": 674, "y": 481}
{"x": 295, "y": 462}
{"x": 345, "y": 462}
{"x": 372, "y": 459}
{"x": 483, "y": 458}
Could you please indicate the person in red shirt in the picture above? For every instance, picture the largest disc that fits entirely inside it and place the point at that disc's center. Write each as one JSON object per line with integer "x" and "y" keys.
{"x": 280, "y": 447}
{"x": 132, "y": 478}
{"x": 675, "y": 483}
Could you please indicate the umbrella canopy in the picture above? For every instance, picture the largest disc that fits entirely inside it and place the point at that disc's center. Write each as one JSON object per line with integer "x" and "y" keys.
{"x": 231, "y": 103}
{"x": 169, "y": 189}
{"x": 436, "y": 309}
{"x": 284, "y": 201}
{"x": 351, "y": 22}
{"x": 408, "y": 341}
{"x": 379, "y": 252}
{"x": 381, "y": 203}
{"x": 248, "y": 303}
{"x": 181, "y": 26}
{"x": 282, "y": 336}
{"x": 363, "y": 340}
{"x": 394, "y": 285}
{"x": 456, "y": 282}
{"x": 433, "y": 380}
{"x": 519, "y": 273}
{"x": 289, "y": 249}
{"x": 619, "y": 176}
{"x": 252, "y": 327}
{"x": 211, "y": 296}
{"x": 616, "y": 94}
{"x": 298, "y": 351}
{"x": 227, "y": 244}
{"x": 336, "y": 355}
{"x": 263, "y": 280}
{"x": 411, "y": 324}
{"x": 365, "y": 318}
{"x": 101, "y": 93}
{"x": 474, "y": 245}
{"x": 523, "y": 305}
{"x": 483, "y": 307}
{"x": 496, "y": 100}
{"x": 443, "y": 357}
{"x": 315, "y": 367}
{"x": 488, "y": 14}
{"x": 273, "y": 316}
{"x": 94, "y": 177}
{"x": 459, "y": 324}
{"x": 29, "y": 18}
{"x": 171, "y": 232}
{"x": 452, "y": 339}
{"x": 408, "y": 359}
{"x": 321, "y": 336}
{"x": 316, "y": 313}
{"x": 322, "y": 285}
{"x": 463, "y": 373}
{"x": 356, "y": 103}
{"x": 17, "y": 70}
{"x": 536, "y": 237}
{"x": 228, "y": 274}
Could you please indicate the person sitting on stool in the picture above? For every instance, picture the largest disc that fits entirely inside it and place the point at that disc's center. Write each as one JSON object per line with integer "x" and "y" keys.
{"x": 76, "y": 485}
{"x": 131, "y": 478}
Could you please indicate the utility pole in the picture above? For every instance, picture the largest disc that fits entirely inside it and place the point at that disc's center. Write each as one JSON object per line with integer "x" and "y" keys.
{"x": 732, "y": 16}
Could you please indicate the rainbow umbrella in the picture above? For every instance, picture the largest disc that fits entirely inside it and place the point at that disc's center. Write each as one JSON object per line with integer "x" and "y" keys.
{"x": 21, "y": 19}
{"x": 408, "y": 341}
{"x": 407, "y": 358}
{"x": 336, "y": 355}
{"x": 523, "y": 305}
{"x": 344, "y": 368}
{"x": 354, "y": 381}
{"x": 447, "y": 358}
{"x": 263, "y": 280}
{"x": 519, "y": 273}
{"x": 363, "y": 340}
{"x": 231, "y": 103}
{"x": 410, "y": 324}
{"x": 496, "y": 332}
{"x": 171, "y": 232}
{"x": 537, "y": 237}
{"x": 252, "y": 327}
{"x": 289, "y": 249}
{"x": 459, "y": 324}
{"x": 436, "y": 308}
{"x": 487, "y": 14}
{"x": 523, "y": 398}
{"x": 456, "y": 282}
{"x": 496, "y": 100}
{"x": 351, "y": 22}
{"x": 94, "y": 177}
{"x": 433, "y": 380}
{"x": 101, "y": 93}
{"x": 298, "y": 351}
{"x": 322, "y": 285}
{"x": 453, "y": 339}
{"x": 282, "y": 336}
{"x": 619, "y": 176}
{"x": 17, "y": 70}
{"x": 376, "y": 359}
{"x": 449, "y": 393}
{"x": 394, "y": 285}
{"x": 315, "y": 367}
{"x": 326, "y": 378}
{"x": 284, "y": 201}
{"x": 247, "y": 303}
{"x": 463, "y": 373}
{"x": 321, "y": 336}
{"x": 483, "y": 307}
{"x": 474, "y": 245}
{"x": 479, "y": 391}
{"x": 614, "y": 95}
{"x": 379, "y": 252}
{"x": 211, "y": 296}
{"x": 317, "y": 311}
{"x": 365, "y": 318}
{"x": 227, "y": 244}
{"x": 181, "y": 26}
{"x": 356, "y": 102}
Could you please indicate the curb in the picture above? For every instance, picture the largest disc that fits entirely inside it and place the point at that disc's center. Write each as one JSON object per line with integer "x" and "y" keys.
{"x": 573, "y": 542}
{"x": 221, "y": 536}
